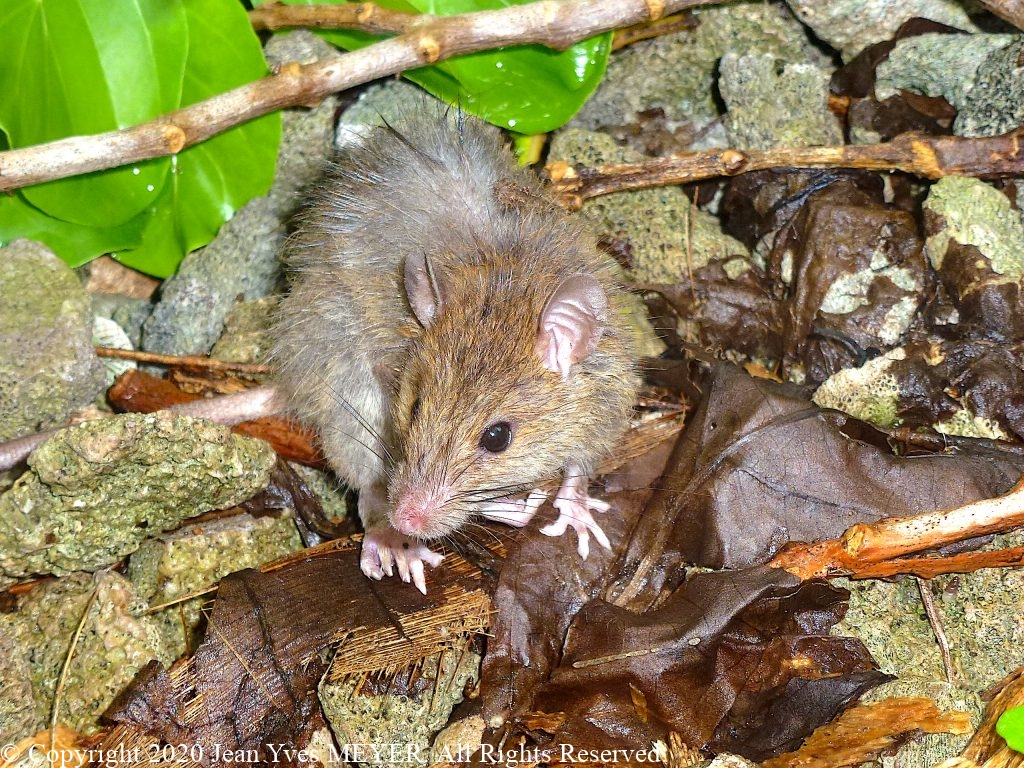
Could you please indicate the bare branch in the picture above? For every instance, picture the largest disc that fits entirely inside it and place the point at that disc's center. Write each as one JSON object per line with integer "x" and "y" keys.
{"x": 930, "y": 157}
{"x": 185, "y": 361}
{"x": 865, "y": 546}
{"x": 366, "y": 17}
{"x": 549, "y": 22}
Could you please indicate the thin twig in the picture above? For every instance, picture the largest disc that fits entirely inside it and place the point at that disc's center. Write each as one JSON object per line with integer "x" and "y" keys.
{"x": 865, "y": 545}
{"x": 935, "y": 620}
{"x": 366, "y": 17}
{"x": 556, "y": 25}
{"x": 180, "y": 599}
{"x": 930, "y": 157}
{"x": 677, "y": 22}
{"x": 184, "y": 361}
{"x": 62, "y": 680}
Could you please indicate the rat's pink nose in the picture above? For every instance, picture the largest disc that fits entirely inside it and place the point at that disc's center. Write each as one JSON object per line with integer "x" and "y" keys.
{"x": 410, "y": 521}
{"x": 415, "y": 512}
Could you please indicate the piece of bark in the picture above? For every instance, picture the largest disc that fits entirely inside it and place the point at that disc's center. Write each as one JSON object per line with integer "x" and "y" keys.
{"x": 253, "y": 680}
{"x": 865, "y": 732}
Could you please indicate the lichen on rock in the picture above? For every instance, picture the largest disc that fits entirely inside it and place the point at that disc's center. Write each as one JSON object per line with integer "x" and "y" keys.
{"x": 95, "y": 491}
{"x": 48, "y": 368}
{"x": 116, "y": 641}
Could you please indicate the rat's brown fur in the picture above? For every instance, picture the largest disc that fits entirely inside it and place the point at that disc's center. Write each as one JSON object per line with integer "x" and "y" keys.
{"x": 347, "y": 342}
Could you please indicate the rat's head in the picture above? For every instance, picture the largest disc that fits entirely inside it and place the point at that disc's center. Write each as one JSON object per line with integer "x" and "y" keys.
{"x": 489, "y": 402}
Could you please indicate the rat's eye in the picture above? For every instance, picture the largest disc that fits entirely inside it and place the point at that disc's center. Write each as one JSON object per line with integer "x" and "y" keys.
{"x": 497, "y": 437}
{"x": 414, "y": 411}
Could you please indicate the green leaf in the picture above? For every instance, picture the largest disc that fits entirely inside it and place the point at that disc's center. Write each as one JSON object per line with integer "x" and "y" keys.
{"x": 1010, "y": 726}
{"x": 159, "y": 249}
{"x": 210, "y": 181}
{"x": 75, "y": 243}
{"x": 75, "y": 67}
{"x": 528, "y": 89}
{"x": 71, "y": 67}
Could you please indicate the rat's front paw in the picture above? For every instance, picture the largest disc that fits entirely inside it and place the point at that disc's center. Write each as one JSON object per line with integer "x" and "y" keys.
{"x": 386, "y": 548}
{"x": 574, "y": 505}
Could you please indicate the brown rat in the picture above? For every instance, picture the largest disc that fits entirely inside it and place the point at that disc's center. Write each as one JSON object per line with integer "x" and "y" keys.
{"x": 455, "y": 338}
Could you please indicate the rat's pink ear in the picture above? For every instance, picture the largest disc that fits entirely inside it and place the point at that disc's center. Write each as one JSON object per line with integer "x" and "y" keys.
{"x": 422, "y": 288}
{"x": 572, "y": 323}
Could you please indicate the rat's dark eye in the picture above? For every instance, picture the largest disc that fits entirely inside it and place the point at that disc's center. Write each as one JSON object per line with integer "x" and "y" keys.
{"x": 414, "y": 411}
{"x": 497, "y": 437}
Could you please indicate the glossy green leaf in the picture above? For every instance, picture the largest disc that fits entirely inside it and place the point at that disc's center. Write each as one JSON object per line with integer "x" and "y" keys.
{"x": 75, "y": 243}
{"x": 159, "y": 249}
{"x": 1010, "y": 726}
{"x": 75, "y": 67}
{"x": 123, "y": 62}
{"x": 210, "y": 181}
{"x": 527, "y": 89}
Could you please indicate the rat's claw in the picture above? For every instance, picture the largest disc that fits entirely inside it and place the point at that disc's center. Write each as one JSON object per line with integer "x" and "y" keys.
{"x": 386, "y": 563}
{"x": 514, "y": 512}
{"x": 384, "y": 549}
{"x": 418, "y": 578}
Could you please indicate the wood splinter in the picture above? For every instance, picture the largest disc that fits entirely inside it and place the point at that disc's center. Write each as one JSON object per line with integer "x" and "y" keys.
{"x": 870, "y": 550}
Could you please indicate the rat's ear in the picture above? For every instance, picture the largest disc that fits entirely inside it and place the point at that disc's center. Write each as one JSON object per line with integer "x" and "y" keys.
{"x": 423, "y": 289}
{"x": 572, "y": 323}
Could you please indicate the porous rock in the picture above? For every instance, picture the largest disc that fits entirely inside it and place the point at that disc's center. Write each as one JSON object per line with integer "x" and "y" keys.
{"x": 95, "y": 491}
{"x": 935, "y": 64}
{"x": 387, "y": 721}
{"x": 117, "y": 639}
{"x": 636, "y": 80}
{"x": 195, "y": 557}
{"x": 48, "y": 368}
{"x": 851, "y": 25}
{"x": 776, "y": 103}
{"x": 667, "y": 236}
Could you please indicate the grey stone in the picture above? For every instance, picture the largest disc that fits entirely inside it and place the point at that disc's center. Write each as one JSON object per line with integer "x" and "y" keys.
{"x": 676, "y": 73}
{"x": 850, "y": 26}
{"x": 48, "y": 369}
{"x": 775, "y": 103}
{"x": 131, "y": 317}
{"x": 937, "y": 65}
{"x": 95, "y": 491}
{"x": 246, "y": 332}
{"x": 300, "y": 46}
{"x": 241, "y": 261}
{"x": 384, "y": 103}
{"x": 996, "y": 103}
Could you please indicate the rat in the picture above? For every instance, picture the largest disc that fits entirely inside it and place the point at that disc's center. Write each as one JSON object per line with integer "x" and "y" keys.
{"x": 454, "y": 337}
